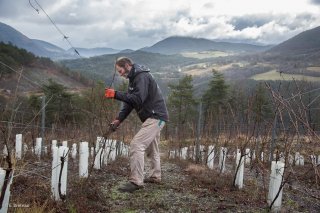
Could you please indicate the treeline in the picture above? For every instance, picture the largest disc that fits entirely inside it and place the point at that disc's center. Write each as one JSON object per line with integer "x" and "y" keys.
{"x": 14, "y": 57}
{"x": 227, "y": 109}
{"x": 241, "y": 108}
{"x": 77, "y": 115}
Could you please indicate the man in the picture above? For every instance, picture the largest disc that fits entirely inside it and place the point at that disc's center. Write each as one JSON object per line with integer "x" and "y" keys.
{"x": 145, "y": 97}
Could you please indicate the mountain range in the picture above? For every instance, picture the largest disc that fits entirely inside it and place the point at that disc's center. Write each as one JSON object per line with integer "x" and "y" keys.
{"x": 168, "y": 46}
{"x": 37, "y": 47}
{"x": 46, "y": 49}
{"x": 178, "y": 44}
{"x": 163, "y": 57}
{"x": 307, "y": 41}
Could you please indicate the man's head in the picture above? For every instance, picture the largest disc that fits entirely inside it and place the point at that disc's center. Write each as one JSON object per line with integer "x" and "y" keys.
{"x": 123, "y": 66}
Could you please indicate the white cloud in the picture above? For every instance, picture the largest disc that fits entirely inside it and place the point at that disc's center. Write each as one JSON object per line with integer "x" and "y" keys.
{"x": 137, "y": 23}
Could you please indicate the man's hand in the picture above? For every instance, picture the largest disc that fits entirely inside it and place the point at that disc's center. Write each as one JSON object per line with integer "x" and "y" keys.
{"x": 114, "y": 125}
{"x": 110, "y": 93}
{"x": 112, "y": 128}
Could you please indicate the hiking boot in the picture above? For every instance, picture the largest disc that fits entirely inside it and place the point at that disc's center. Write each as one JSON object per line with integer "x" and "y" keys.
{"x": 152, "y": 180}
{"x": 129, "y": 187}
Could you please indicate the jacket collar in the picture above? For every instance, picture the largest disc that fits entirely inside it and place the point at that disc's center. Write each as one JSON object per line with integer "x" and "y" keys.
{"x": 132, "y": 72}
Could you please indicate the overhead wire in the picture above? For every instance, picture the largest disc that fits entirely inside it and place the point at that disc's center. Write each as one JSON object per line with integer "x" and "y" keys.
{"x": 63, "y": 34}
{"x": 21, "y": 125}
{"x": 55, "y": 25}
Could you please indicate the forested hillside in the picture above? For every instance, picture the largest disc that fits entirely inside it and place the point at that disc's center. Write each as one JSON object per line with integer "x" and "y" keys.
{"x": 35, "y": 71}
{"x": 14, "y": 57}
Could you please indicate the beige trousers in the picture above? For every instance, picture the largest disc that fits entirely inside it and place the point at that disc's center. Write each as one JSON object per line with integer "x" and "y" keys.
{"x": 146, "y": 140}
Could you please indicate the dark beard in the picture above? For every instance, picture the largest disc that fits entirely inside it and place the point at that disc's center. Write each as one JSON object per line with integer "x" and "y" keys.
{"x": 126, "y": 72}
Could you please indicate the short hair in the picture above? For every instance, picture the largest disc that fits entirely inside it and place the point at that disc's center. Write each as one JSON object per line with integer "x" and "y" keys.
{"x": 122, "y": 61}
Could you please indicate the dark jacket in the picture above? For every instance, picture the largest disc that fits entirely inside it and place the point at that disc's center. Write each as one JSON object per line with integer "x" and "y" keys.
{"x": 144, "y": 95}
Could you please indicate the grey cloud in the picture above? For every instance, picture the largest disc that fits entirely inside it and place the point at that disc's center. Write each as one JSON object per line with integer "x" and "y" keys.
{"x": 297, "y": 22}
{"x": 162, "y": 27}
{"x": 273, "y": 29}
{"x": 180, "y": 14}
{"x": 292, "y": 23}
{"x": 208, "y": 5}
{"x": 18, "y": 9}
{"x": 242, "y": 22}
{"x": 78, "y": 17}
{"x": 110, "y": 23}
{"x": 14, "y": 9}
{"x": 76, "y": 13}
{"x": 73, "y": 13}
{"x": 79, "y": 13}
{"x": 306, "y": 17}
{"x": 287, "y": 27}
{"x": 185, "y": 14}
{"x": 147, "y": 33}
{"x": 315, "y": 2}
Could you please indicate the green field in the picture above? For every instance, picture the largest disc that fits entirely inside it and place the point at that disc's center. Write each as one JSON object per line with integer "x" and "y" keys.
{"x": 205, "y": 68}
{"x": 316, "y": 69}
{"x": 205, "y": 54}
{"x": 273, "y": 75}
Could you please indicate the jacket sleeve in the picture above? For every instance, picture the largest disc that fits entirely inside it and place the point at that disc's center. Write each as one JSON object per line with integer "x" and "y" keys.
{"x": 139, "y": 94}
{"x": 124, "y": 112}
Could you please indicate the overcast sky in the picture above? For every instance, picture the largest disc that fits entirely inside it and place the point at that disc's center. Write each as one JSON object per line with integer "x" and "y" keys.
{"x": 132, "y": 24}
